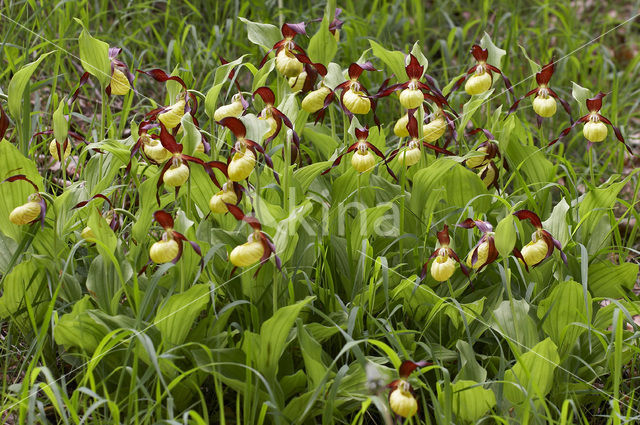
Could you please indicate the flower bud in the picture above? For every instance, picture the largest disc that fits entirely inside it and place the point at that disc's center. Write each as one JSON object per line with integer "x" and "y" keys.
{"x": 442, "y": 268}
{"x": 297, "y": 83}
{"x": 478, "y": 83}
{"x": 53, "y": 149}
{"x": 314, "y": 101}
{"x": 171, "y": 117}
{"x": 434, "y": 130}
{"x": 26, "y": 213}
{"x": 411, "y": 98}
{"x": 363, "y": 161}
{"x": 489, "y": 176}
{"x": 409, "y": 156}
{"x": 544, "y": 106}
{"x": 119, "y": 83}
{"x": 248, "y": 253}
{"x": 478, "y": 161}
{"x": 287, "y": 64}
{"x": 163, "y": 251}
{"x": 483, "y": 254}
{"x": 402, "y": 402}
{"x": 241, "y": 165}
{"x": 234, "y": 109}
{"x": 154, "y": 150}
{"x": 400, "y": 129}
{"x": 176, "y": 175}
{"x": 356, "y": 102}
{"x": 534, "y": 252}
{"x": 87, "y": 234}
{"x": 217, "y": 202}
{"x": 595, "y": 131}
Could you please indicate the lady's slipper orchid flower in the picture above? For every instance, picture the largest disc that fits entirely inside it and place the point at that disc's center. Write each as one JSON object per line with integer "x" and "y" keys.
{"x": 35, "y": 208}
{"x": 230, "y": 193}
{"x": 171, "y": 116}
{"x": 445, "y": 259}
{"x": 485, "y": 165}
{"x": 175, "y": 171}
{"x": 306, "y": 80}
{"x": 594, "y": 129}
{"x": 290, "y": 58}
{"x": 121, "y": 78}
{"x": 354, "y": 96}
{"x": 56, "y": 149}
{"x": 151, "y": 146}
{"x": 233, "y": 109}
{"x": 243, "y": 160}
{"x": 413, "y": 92}
{"x": 273, "y": 116}
{"x": 434, "y": 126}
{"x": 317, "y": 101}
{"x": 110, "y": 216}
{"x": 542, "y": 243}
{"x": 258, "y": 247}
{"x": 482, "y": 79}
{"x": 489, "y": 149}
{"x": 411, "y": 153}
{"x": 484, "y": 252}
{"x": 238, "y": 104}
{"x": 402, "y": 399}
{"x": 362, "y": 159}
{"x": 169, "y": 248}
{"x": 544, "y": 104}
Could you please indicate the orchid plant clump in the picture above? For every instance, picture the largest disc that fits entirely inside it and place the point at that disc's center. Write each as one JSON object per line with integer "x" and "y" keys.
{"x": 452, "y": 232}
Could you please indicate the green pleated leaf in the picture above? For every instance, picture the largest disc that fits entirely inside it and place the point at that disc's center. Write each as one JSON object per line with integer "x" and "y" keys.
{"x": 392, "y": 58}
{"x": 175, "y": 318}
{"x": 94, "y": 55}
{"x": 18, "y": 84}
{"x": 470, "y": 400}
{"x": 567, "y": 315}
{"x": 612, "y": 280}
{"x": 265, "y": 35}
{"x": 15, "y": 193}
{"x": 532, "y": 376}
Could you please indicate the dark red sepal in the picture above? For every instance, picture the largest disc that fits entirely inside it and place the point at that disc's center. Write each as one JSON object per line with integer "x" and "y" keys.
{"x": 99, "y": 195}
{"x": 290, "y": 30}
{"x": 240, "y": 216}
{"x": 480, "y": 54}
{"x": 407, "y": 367}
{"x": 266, "y": 94}
{"x": 414, "y": 69}
{"x": 161, "y": 76}
{"x": 544, "y": 76}
{"x": 164, "y": 219}
{"x": 531, "y": 216}
{"x": 594, "y": 104}
{"x": 236, "y": 126}
{"x": 168, "y": 141}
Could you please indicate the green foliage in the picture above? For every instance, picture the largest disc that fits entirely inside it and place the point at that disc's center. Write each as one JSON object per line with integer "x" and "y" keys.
{"x": 95, "y": 332}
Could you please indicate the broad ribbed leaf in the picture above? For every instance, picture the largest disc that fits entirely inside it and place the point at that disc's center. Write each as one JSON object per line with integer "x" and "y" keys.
{"x": 567, "y": 315}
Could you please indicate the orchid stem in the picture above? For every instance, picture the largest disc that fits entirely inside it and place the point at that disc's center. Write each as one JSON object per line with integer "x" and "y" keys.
{"x": 593, "y": 178}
